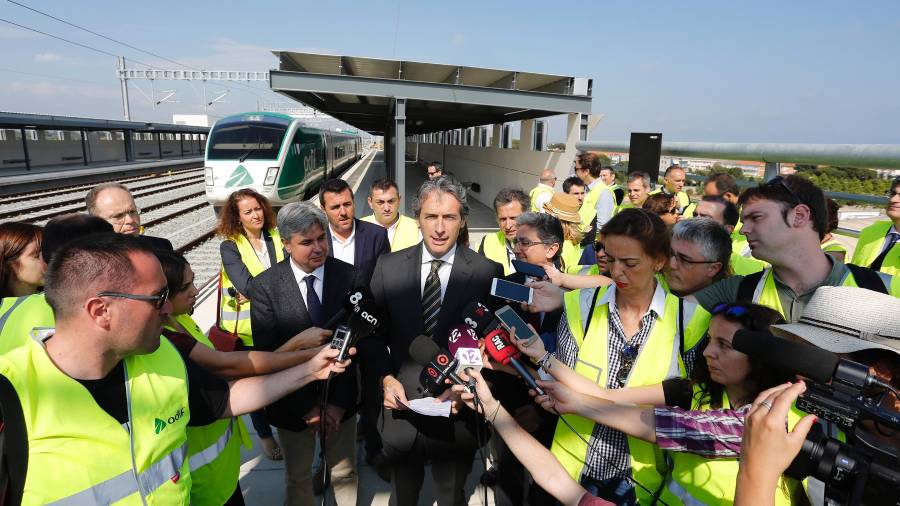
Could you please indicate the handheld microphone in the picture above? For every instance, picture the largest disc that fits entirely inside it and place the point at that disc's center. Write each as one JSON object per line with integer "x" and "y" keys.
{"x": 438, "y": 365}
{"x": 350, "y": 303}
{"x": 499, "y": 348}
{"x": 363, "y": 321}
{"x": 463, "y": 345}
{"x": 481, "y": 319}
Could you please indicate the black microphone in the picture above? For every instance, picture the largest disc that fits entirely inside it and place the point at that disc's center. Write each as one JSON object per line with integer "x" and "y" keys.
{"x": 364, "y": 319}
{"x": 438, "y": 365}
{"x": 480, "y": 318}
{"x": 350, "y": 302}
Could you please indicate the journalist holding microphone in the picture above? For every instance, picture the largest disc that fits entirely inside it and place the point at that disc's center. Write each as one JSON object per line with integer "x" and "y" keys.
{"x": 424, "y": 290}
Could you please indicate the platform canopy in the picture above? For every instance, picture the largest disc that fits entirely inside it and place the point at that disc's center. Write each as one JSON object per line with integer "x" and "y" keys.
{"x": 437, "y": 97}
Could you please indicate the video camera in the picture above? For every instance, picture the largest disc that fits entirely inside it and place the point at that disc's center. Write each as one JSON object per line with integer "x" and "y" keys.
{"x": 859, "y": 470}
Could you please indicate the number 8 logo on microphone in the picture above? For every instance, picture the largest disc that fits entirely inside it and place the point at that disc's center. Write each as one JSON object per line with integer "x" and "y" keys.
{"x": 355, "y": 298}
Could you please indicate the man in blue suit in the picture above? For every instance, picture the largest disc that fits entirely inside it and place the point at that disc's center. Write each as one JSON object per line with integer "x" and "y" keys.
{"x": 354, "y": 241}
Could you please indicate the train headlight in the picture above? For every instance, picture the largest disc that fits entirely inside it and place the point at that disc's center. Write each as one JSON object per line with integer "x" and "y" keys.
{"x": 209, "y": 176}
{"x": 271, "y": 174}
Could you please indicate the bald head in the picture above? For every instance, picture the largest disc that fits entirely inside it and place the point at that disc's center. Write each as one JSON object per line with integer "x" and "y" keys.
{"x": 548, "y": 177}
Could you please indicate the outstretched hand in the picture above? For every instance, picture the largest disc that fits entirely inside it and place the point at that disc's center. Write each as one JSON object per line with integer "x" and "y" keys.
{"x": 558, "y": 398}
{"x": 323, "y": 363}
{"x": 547, "y": 297}
{"x": 485, "y": 397}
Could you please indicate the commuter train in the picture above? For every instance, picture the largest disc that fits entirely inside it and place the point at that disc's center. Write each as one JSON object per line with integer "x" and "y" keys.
{"x": 274, "y": 154}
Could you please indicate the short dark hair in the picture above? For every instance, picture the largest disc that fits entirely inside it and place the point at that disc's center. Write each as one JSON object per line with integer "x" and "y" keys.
{"x": 62, "y": 229}
{"x": 572, "y": 181}
{"x": 91, "y": 264}
{"x": 591, "y": 162}
{"x": 607, "y": 167}
{"x": 895, "y": 183}
{"x": 643, "y": 226}
{"x": 334, "y": 185}
{"x": 549, "y": 229}
{"x": 833, "y": 208}
{"x": 173, "y": 264}
{"x": 672, "y": 167}
{"x": 510, "y": 195}
{"x": 791, "y": 191}
{"x": 437, "y": 165}
{"x": 724, "y": 183}
{"x": 659, "y": 203}
{"x": 384, "y": 184}
{"x": 730, "y": 212}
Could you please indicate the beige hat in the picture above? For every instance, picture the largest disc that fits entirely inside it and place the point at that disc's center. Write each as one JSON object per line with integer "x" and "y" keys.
{"x": 564, "y": 207}
{"x": 843, "y": 319}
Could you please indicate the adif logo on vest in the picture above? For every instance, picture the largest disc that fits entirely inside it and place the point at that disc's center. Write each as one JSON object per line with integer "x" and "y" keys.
{"x": 160, "y": 424}
{"x": 240, "y": 177}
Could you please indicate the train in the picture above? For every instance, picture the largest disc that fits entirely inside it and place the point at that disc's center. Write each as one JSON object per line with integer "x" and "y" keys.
{"x": 275, "y": 155}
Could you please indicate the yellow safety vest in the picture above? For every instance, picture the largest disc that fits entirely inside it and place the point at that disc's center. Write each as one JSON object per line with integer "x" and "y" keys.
{"x": 405, "y": 235}
{"x": 571, "y": 254}
{"x": 18, "y": 315}
{"x": 869, "y": 244}
{"x": 658, "y": 360}
{"x": 834, "y": 246}
{"x": 78, "y": 454}
{"x": 588, "y": 209}
{"x": 697, "y": 480}
{"x": 584, "y": 270}
{"x": 743, "y": 266}
{"x": 533, "y": 194}
{"x": 214, "y": 450}
{"x": 232, "y": 317}
{"x": 689, "y": 210}
{"x": 494, "y": 247}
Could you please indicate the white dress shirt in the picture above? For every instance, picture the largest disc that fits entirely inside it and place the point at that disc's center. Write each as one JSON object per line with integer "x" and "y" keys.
{"x": 300, "y": 276}
{"x": 443, "y": 271}
{"x": 543, "y": 197}
{"x": 344, "y": 250}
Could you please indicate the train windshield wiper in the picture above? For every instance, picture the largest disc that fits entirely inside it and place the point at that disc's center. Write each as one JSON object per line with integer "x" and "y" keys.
{"x": 248, "y": 153}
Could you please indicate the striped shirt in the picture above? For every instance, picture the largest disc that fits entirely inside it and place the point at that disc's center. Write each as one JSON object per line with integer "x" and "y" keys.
{"x": 713, "y": 433}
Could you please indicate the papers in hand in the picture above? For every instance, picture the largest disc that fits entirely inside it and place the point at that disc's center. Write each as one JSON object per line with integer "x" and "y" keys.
{"x": 430, "y": 407}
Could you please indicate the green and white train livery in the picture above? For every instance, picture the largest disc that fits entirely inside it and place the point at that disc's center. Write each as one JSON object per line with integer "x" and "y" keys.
{"x": 274, "y": 154}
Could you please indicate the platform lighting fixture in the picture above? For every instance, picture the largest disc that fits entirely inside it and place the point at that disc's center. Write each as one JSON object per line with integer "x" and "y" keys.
{"x": 515, "y": 112}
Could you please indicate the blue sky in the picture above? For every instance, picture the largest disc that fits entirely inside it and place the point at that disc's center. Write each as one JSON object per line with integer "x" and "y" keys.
{"x": 764, "y": 71}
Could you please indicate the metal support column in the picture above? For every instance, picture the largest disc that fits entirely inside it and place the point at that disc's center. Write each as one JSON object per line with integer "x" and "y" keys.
{"x": 398, "y": 157}
{"x": 772, "y": 169}
{"x": 583, "y": 129}
{"x": 124, "y": 83}
{"x": 84, "y": 156}
{"x": 25, "y": 149}
{"x": 129, "y": 145}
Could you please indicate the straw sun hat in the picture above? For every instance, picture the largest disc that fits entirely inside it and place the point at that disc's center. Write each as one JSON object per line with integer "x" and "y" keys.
{"x": 564, "y": 207}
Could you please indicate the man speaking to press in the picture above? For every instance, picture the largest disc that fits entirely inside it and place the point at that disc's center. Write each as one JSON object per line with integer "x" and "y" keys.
{"x": 424, "y": 290}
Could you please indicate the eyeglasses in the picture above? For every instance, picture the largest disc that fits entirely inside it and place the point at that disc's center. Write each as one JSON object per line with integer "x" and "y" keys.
{"x": 731, "y": 310}
{"x": 158, "y": 300}
{"x": 119, "y": 217}
{"x": 782, "y": 182}
{"x": 526, "y": 243}
{"x": 685, "y": 260}
{"x": 628, "y": 357}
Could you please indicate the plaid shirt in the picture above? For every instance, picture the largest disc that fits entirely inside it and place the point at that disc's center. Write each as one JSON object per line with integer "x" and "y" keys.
{"x": 714, "y": 433}
{"x": 608, "y": 455}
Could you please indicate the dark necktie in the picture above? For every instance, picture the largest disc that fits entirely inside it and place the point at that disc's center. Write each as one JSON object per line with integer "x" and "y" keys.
{"x": 431, "y": 298}
{"x": 313, "y": 304}
{"x": 876, "y": 265}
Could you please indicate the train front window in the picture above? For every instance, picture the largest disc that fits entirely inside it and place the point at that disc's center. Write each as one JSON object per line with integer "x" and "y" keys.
{"x": 246, "y": 141}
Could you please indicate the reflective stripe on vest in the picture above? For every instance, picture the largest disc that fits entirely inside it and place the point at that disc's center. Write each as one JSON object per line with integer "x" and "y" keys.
{"x": 123, "y": 485}
{"x": 143, "y": 461}
{"x": 533, "y": 195}
{"x": 495, "y": 249}
{"x": 658, "y": 359}
{"x": 21, "y": 316}
{"x": 238, "y": 317}
{"x": 211, "y": 452}
{"x": 9, "y": 311}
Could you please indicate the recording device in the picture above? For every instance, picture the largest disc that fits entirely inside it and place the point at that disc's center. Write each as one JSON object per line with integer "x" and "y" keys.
{"x": 438, "y": 365}
{"x": 512, "y": 321}
{"x": 480, "y": 318}
{"x": 858, "y": 471}
{"x": 340, "y": 340}
{"x": 535, "y": 271}
{"x": 499, "y": 348}
{"x": 463, "y": 344}
{"x": 511, "y": 291}
{"x": 364, "y": 318}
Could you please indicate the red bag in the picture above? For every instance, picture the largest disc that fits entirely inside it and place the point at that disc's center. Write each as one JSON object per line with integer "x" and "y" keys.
{"x": 221, "y": 339}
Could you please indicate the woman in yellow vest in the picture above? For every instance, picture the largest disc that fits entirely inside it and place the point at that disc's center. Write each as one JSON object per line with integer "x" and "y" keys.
{"x": 618, "y": 336}
{"x": 214, "y": 450}
{"x": 251, "y": 245}
{"x": 663, "y": 205}
{"x": 21, "y": 266}
{"x": 564, "y": 207}
{"x": 704, "y": 455}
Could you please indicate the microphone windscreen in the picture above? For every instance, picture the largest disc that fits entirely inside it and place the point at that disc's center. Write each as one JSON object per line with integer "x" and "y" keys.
{"x": 499, "y": 348}
{"x": 365, "y": 318}
{"x": 355, "y": 296}
{"x": 423, "y": 349}
{"x": 806, "y": 360}
{"x": 477, "y": 316}
{"x": 461, "y": 336}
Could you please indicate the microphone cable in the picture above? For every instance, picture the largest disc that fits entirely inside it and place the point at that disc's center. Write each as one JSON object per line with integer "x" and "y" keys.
{"x": 323, "y": 459}
{"x": 481, "y": 440}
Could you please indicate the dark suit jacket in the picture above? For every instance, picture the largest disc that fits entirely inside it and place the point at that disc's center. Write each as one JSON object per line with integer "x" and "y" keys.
{"x": 370, "y": 242}
{"x": 396, "y": 287}
{"x": 278, "y": 313}
{"x": 157, "y": 243}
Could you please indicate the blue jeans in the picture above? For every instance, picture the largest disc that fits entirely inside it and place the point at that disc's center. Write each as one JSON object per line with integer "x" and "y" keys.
{"x": 616, "y": 490}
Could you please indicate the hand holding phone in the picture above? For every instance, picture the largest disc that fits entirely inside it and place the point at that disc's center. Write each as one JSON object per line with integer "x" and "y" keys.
{"x": 511, "y": 291}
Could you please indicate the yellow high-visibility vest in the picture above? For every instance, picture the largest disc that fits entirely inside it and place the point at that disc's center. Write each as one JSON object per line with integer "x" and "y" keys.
{"x": 405, "y": 235}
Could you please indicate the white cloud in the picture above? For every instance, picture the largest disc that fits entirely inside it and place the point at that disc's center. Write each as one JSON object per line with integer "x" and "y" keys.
{"x": 48, "y": 89}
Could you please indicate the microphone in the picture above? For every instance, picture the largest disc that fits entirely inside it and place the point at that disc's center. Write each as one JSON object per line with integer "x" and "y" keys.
{"x": 500, "y": 350}
{"x": 438, "y": 365}
{"x": 806, "y": 360}
{"x": 481, "y": 319}
{"x": 350, "y": 302}
{"x": 364, "y": 319}
{"x": 463, "y": 345}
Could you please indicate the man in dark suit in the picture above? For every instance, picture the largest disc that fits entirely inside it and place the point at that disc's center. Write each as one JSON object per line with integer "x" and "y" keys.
{"x": 302, "y": 291}
{"x": 354, "y": 241}
{"x": 423, "y": 290}
{"x": 114, "y": 203}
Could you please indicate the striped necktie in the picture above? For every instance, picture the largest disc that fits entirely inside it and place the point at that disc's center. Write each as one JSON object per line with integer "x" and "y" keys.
{"x": 431, "y": 298}
{"x": 892, "y": 240}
